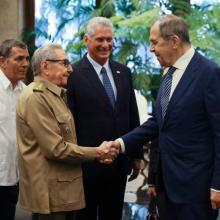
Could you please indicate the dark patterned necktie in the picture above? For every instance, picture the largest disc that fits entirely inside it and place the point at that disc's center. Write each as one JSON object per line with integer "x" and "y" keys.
{"x": 108, "y": 87}
{"x": 166, "y": 88}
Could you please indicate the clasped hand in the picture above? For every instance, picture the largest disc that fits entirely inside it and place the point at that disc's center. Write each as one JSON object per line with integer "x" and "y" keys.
{"x": 215, "y": 199}
{"x": 107, "y": 152}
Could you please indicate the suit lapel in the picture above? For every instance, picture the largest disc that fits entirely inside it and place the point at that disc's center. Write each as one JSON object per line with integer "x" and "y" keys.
{"x": 117, "y": 79}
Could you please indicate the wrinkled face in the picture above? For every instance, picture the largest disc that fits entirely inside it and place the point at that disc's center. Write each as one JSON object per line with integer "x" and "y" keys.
{"x": 100, "y": 44}
{"x": 58, "y": 70}
{"x": 15, "y": 66}
{"x": 162, "y": 48}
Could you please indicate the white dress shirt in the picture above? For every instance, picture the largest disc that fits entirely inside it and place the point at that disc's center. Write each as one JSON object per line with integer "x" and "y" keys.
{"x": 8, "y": 143}
{"x": 98, "y": 68}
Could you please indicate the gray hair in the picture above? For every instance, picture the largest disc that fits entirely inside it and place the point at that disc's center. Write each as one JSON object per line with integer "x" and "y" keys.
{"x": 7, "y": 45}
{"x": 43, "y": 53}
{"x": 173, "y": 25}
{"x": 97, "y": 21}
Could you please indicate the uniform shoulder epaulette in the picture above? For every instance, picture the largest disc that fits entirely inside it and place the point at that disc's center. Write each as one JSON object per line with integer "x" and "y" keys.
{"x": 39, "y": 87}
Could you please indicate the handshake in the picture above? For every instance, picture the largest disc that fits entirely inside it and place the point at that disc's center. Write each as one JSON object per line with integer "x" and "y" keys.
{"x": 108, "y": 151}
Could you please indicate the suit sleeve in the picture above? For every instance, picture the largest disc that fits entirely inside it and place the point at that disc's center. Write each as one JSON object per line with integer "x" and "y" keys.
{"x": 212, "y": 102}
{"x": 140, "y": 135}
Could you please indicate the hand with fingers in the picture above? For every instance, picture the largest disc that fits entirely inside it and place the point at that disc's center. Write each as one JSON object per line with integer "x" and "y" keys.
{"x": 215, "y": 199}
{"x": 107, "y": 152}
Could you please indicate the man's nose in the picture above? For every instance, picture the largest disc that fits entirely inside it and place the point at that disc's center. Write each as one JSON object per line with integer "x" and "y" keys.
{"x": 70, "y": 68}
{"x": 25, "y": 62}
{"x": 105, "y": 43}
{"x": 152, "y": 48}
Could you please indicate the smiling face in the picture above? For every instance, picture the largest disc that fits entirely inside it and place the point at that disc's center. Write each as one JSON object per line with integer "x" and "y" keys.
{"x": 57, "y": 70}
{"x": 16, "y": 64}
{"x": 100, "y": 44}
{"x": 163, "y": 49}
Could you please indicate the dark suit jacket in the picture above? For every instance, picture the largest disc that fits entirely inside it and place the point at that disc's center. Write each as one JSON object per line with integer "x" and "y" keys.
{"x": 189, "y": 136}
{"x": 95, "y": 119}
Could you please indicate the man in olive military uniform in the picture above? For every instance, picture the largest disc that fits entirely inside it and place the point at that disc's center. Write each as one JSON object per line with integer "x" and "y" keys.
{"x": 50, "y": 160}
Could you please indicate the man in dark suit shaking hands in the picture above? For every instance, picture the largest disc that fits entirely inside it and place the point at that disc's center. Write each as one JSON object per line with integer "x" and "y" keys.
{"x": 102, "y": 100}
{"x": 187, "y": 123}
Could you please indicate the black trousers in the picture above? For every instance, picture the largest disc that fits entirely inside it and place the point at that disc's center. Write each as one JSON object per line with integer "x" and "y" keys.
{"x": 192, "y": 211}
{"x": 162, "y": 206}
{"x": 8, "y": 201}
{"x": 104, "y": 199}
{"x": 55, "y": 216}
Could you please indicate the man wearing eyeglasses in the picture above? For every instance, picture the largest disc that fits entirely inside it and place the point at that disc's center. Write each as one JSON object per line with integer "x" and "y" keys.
{"x": 50, "y": 159}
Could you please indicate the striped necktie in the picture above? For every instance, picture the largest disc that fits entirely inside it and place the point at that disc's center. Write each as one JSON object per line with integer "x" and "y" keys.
{"x": 166, "y": 88}
{"x": 108, "y": 87}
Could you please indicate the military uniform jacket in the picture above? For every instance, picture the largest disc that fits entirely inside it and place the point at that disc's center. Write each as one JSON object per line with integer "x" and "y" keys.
{"x": 49, "y": 159}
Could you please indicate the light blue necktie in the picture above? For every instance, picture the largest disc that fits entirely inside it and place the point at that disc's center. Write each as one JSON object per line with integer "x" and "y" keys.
{"x": 108, "y": 87}
{"x": 166, "y": 88}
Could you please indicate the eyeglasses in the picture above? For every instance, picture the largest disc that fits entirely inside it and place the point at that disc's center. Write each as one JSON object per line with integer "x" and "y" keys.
{"x": 65, "y": 62}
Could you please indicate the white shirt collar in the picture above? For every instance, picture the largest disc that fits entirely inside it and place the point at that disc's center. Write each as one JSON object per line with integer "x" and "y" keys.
{"x": 6, "y": 83}
{"x": 4, "y": 80}
{"x": 96, "y": 65}
{"x": 184, "y": 60}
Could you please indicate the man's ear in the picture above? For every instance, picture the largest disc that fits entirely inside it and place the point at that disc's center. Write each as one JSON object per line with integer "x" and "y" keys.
{"x": 44, "y": 68}
{"x": 43, "y": 65}
{"x": 2, "y": 61}
{"x": 85, "y": 39}
{"x": 175, "y": 41}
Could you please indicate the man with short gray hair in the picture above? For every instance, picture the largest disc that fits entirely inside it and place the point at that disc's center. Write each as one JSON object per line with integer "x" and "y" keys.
{"x": 186, "y": 122}
{"x": 102, "y": 100}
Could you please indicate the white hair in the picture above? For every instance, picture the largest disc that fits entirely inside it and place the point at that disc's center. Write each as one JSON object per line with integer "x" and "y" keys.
{"x": 97, "y": 21}
{"x": 43, "y": 53}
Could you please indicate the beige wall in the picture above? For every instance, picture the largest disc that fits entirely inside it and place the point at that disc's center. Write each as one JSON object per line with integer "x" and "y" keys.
{"x": 11, "y": 19}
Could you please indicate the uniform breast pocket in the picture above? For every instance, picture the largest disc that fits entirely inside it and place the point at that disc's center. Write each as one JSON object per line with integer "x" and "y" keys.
{"x": 64, "y": 123}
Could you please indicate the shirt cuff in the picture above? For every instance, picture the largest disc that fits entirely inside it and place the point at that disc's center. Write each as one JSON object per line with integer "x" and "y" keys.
{"x": 215, "y": 190}
{"x": 122, "y": 145}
